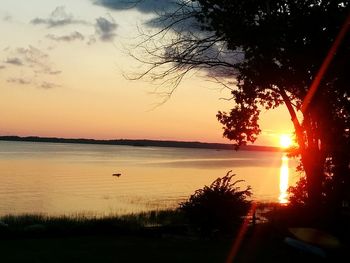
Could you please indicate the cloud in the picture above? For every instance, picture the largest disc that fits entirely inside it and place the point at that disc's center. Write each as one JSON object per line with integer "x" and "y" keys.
{"x": 58, "y": 17}
{"x": 35, "y": 67}
{"x": 55, "y": 72}
{"x": 14, "y": 61}
{"x": 25, "y": 81}
{"x": 105, "y": 28}
{"x": 21, "y": 81}
{"x": 92, "y": 40}
{"x": 177, "y": 13}
{"x": 7, "y": 18}
{"x": 35, "y": 58}
{"x": 48, "y": 85}
{"x": 67, "y": 38}
{"x": 144, "y": 6}
{"x": 32, "y": 54}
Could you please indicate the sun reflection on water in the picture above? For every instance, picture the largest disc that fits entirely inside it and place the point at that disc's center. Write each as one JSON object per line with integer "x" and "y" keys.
{"x": 284, "y": 180}
{"x": 58, "y": 179}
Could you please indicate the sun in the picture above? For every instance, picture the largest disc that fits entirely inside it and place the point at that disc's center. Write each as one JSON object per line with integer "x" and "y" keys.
{"x": 285, "y": 141}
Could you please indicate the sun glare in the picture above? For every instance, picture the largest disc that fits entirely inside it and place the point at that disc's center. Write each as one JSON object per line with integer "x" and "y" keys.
{"x": 285, "y": 141}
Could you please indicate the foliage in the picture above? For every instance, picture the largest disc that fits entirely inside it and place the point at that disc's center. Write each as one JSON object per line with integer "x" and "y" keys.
{"x": 298, "y": 194}
{"x": 219, "y": 206}
{"x": 269, "y": 53}
{"x": 285, "y": 43}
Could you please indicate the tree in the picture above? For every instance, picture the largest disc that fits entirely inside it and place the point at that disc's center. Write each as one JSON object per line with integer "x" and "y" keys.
{"x": 269, "y": 53}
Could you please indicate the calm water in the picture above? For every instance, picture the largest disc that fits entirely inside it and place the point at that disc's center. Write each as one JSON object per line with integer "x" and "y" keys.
{"x": 60, "y": 179}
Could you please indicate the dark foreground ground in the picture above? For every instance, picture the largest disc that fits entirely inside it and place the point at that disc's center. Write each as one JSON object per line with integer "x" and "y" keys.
{"x": 111, "y": 249}
{"x": 161, "y": 236}
{"x": 259, "y": 245}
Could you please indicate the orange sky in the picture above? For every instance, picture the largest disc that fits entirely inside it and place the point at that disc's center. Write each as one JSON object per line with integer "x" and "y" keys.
{"x": 61, "y": 74}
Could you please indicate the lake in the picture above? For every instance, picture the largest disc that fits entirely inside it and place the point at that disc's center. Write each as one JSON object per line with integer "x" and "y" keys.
{"x": 69, "y": 179}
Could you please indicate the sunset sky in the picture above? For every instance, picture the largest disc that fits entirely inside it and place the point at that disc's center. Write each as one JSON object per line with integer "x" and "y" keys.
{"x": 61, "y": 75}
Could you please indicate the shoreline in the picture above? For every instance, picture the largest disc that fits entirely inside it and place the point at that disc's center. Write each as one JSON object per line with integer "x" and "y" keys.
{"x": 142, "y": 143}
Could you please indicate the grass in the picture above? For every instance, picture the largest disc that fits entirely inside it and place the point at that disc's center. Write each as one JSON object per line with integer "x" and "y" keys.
{"x": 41, "y": 225}
{"x": 157, "y": 236}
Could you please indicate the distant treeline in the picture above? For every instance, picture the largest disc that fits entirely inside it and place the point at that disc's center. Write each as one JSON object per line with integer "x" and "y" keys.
{"x": 139, "y": 143}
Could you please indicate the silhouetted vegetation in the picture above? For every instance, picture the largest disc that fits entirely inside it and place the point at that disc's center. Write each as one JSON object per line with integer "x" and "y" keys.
{"x": 156, "y": 236}
{"x": 218, "y": 207}
{"x": 298, "y": 193}
{"x": 146, "y": 223}
{"x": 268, "y": 54}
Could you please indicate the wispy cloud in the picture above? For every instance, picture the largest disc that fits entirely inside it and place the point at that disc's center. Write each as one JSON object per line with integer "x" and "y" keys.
{"x": 48, "y": 85}
{"x": 35, "y": 58}
{"x": 33, "y": 82}
{"x": 105, "y": 28}
{"x": 67, "y": 38}
{"x": 14, "y": 61}
{"x": 58, "y": 17}
{"x": 34, "y": 67}
{"x": 21, "y": 81}
{"x": 55, "y": 72}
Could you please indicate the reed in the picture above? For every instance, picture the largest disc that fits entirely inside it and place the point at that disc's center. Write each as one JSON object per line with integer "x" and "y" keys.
{"x": 87, "y": 224}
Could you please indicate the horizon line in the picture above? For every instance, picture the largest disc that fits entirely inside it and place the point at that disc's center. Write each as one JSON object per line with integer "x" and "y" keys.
{"x": 131, "y": 140}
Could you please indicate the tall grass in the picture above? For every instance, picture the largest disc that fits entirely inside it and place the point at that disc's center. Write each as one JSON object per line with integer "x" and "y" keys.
{"x": 38, "y": 224}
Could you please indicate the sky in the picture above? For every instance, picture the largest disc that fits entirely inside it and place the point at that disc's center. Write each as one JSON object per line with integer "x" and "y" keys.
{"x": 62, "y": 74}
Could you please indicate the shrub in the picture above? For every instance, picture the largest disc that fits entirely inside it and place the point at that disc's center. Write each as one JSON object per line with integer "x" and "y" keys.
{"x": 220, "y": 206}
{"x": 298, "y": 194}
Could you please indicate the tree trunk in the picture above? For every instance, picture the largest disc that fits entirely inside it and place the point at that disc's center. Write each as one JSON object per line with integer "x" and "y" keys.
{"x": 313, "y": 163}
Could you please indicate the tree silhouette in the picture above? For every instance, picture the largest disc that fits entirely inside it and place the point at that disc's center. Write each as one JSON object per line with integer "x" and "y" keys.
{"x": 269, "y": 53}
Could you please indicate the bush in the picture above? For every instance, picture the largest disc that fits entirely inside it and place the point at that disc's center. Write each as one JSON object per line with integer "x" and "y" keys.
{"x": 298, "y": 193}
{"x": 220, "y": 206}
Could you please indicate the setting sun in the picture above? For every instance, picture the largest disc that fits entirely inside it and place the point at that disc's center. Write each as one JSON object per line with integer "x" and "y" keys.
{"x": 285, "y": 141}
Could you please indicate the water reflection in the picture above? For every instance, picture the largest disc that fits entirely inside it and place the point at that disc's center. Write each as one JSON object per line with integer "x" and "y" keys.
{"x": 58, "y": 179}
{"x": 284, "y": 180}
